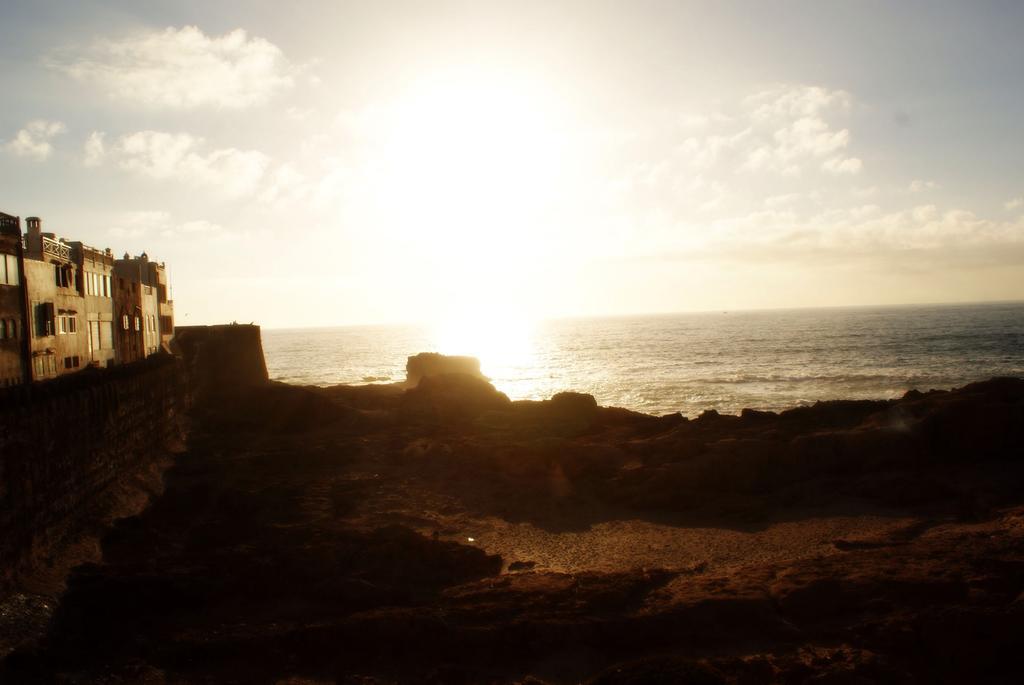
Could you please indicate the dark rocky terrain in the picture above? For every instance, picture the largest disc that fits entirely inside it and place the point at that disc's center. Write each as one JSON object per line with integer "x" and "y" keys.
{"x": 444, "y": 534}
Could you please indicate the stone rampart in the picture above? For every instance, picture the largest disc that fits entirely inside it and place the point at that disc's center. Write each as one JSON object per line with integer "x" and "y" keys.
{"x": 65, "y": 444}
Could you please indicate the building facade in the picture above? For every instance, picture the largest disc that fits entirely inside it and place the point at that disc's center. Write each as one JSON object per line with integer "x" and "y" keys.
{"x": 143, "y": 308}
{"x": 65, "y": 306}
{"x": 56, "y": 304}
{"x": 97, "y": 272}
{"x": 13, "y": 331}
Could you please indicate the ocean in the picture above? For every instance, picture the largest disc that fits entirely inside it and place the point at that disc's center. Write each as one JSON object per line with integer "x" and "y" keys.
{"x": 658, "y": 364}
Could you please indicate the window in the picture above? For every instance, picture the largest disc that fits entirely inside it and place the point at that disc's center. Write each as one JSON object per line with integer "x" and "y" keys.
{"x": 124, "y": 322}
{"x": 67, "y": 323}
{"x": 62, "y": 275}
{"x": 106, "y": 335}
{"x": 138, "y": 324}
{"x": 106, "y": 286}
{"x": 44, "y": 365}
{"x": 9, "y": 269}
{"x": 12, "y": 329}
{"x": 3, "y": 330}
{"x": 42, "y": 313}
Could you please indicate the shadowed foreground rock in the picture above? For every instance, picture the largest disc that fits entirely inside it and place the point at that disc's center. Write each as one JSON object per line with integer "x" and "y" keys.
{"x": 333, "y": 535}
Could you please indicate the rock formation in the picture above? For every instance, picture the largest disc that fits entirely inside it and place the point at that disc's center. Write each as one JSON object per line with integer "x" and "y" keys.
{"x": 446, "y": 534}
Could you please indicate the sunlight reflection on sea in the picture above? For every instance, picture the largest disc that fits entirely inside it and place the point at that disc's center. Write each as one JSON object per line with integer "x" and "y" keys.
{"x": 687, "y": 362}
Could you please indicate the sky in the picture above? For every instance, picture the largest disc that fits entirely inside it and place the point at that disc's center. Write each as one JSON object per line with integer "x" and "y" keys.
{"x": 336, "y": 163}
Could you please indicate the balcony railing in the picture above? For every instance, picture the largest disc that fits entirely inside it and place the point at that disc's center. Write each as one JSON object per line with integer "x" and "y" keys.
{"x": 55, "y": 248}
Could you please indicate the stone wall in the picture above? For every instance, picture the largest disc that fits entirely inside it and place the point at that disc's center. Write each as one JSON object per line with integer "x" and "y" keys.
{"x": 221, "y": 361}
{"x": 66, "y": 443}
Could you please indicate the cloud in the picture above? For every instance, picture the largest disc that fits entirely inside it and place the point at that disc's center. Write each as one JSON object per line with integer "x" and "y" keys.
{"x": 795, "y": 102}
{"x": 299, "y": 114}
{"x": 720, "y": 162}
{"x": 1015, "y": 203}
{"x": 795, "y": 116}
{"x": 183, "y": 69}
{"x": 197, "y": 226}
{"x": 137, "y": 224}
{"x": 183, "y": 157}
{"x": 33, "y": 141}
{"x": 94, "y": 150}
{"x": 705, "y": 152}
{"x": 868, "y": 230}
{"x": 782, "y": 200}
{"x": 918, "y": 185}
{"x": 841, "y": 165}
{"x": 286, "y": 186}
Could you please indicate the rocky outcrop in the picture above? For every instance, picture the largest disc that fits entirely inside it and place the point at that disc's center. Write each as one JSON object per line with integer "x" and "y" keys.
{"x": 429, "y": 364}
{"x": 330, "y": 535}
{"x": 451, "y": 398}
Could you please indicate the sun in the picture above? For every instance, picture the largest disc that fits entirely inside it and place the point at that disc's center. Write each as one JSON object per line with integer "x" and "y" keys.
{"x": 467, "y": 175}
{"x": 465, "y": 145}
{"x": 502, "y": 342}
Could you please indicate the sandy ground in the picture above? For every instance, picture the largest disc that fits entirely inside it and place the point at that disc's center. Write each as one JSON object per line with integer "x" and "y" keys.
{"x": 623, "y": 543}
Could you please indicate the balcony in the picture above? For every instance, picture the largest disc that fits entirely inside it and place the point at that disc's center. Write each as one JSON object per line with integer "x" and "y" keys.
{"x": 55, "y": 248}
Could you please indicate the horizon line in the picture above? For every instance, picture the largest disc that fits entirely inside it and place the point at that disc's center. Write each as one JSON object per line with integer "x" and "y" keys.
{"x": 649, "y": 314}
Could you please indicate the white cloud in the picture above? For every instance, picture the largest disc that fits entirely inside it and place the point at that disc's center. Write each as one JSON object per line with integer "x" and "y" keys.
{"x": 33, "y": 141}
{"x": 180, "y": 156}
{"x": 94, "y": 150}
{"x": 1015, "y": 203}
{"x": 285, "y": 186}
{"x": 918, "y": 185}
{"x": 771, "y": 137}
{"x": 198, "y": 226}
{"x": 183, "y": 68}
{"x": 782, "y": 200}
{"x": 840, "y": 165}
{"x": 299, "y": 114}
{"x": 796, "y": 102}
{"x": 866, "y": 230}
{"x": 138, "y": 224}
{"x": 795, "y": 116}
{"x": 705, "y": 152}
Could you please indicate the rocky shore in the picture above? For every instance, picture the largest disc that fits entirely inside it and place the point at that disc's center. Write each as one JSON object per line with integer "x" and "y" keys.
{"x": 441, "y": 533}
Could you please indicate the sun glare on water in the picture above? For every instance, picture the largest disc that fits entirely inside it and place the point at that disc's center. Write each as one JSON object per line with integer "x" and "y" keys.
{"x": 502, "y": 344}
